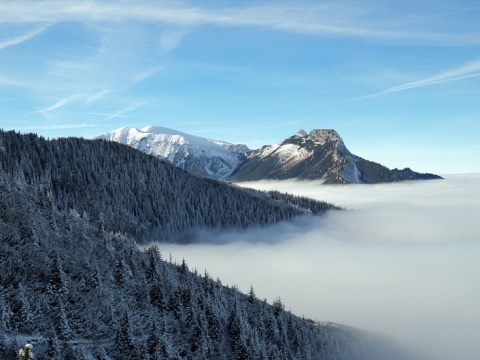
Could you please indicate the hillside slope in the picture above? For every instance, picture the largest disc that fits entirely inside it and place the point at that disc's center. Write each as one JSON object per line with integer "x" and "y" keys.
{"x": 76, "y": 291}
{"x": 127, "y": 191}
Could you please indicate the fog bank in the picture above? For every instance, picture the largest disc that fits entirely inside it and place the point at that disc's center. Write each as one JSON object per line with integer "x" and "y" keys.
{"x": 403, "y": 261}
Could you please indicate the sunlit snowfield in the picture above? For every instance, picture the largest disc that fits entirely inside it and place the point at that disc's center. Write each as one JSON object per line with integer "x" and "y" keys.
{"x": 403, "y": 261}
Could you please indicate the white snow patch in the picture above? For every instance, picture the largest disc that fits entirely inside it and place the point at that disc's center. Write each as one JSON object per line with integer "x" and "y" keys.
{"x": 284, "y": 152}
{"x": 350, "y": 171}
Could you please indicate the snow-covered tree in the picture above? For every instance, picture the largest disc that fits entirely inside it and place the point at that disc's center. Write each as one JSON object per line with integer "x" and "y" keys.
{"x": 26, "y": 353}
{"x": 124, "y": 345}
{"x": 54, "y": 351}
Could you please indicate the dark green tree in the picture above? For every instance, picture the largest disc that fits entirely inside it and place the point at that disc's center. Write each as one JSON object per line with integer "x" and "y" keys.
{"x": 124, "y": 345}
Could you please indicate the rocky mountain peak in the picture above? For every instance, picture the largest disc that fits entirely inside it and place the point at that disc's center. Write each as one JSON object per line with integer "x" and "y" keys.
{"x": 301, "y": 133}
{"x": 322, "y": 136}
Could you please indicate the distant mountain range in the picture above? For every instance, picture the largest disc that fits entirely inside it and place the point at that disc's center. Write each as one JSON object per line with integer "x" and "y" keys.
{"x": 199, "y": 156}
{"x": 320, "y": 154}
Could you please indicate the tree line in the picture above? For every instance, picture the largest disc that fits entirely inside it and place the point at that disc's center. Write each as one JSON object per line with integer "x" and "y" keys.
{"x": 127, "y": 191}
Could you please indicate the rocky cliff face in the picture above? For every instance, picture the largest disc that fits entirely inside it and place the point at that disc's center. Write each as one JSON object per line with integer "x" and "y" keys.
{"x": 320, "y": 154}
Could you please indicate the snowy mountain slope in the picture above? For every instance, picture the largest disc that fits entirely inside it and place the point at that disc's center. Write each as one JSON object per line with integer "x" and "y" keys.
{"x": 320, "y": 154}
{"x": 76, "y": 291}
{"x": 200, "y": 156}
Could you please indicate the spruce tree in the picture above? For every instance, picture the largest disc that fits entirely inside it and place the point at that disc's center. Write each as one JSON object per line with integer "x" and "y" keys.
{"x": 278, "y": 306}
{"x": 13, "y": 352}
{"x": 251, "y": 295}
{"x": 124, "y": 345}
{"x": 53, "y": 351}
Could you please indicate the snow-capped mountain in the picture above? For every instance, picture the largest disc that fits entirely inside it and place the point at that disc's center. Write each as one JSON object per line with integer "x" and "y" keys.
{"x": 320, "y": 154}
{"x": 200, "y": 156}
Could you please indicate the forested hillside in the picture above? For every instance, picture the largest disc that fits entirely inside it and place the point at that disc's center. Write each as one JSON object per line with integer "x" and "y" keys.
{"x": 75, "y": 284}
{"x": 124, "y": 190}
{"x": 76, "y": 291}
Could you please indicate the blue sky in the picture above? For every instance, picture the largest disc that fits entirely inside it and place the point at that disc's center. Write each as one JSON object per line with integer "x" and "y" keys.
{"x": 399, "y": 80}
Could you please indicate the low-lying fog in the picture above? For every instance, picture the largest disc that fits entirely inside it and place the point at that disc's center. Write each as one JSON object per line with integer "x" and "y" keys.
{"x": 403, "y": 261}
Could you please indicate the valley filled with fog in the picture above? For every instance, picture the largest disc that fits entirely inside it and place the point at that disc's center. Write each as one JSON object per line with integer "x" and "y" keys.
{"x": 402, "y": 260}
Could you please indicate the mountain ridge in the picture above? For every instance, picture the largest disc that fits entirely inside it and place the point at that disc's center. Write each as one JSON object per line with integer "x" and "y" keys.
{"x": 320, "y": 154}
{"x": 200, "y": 156}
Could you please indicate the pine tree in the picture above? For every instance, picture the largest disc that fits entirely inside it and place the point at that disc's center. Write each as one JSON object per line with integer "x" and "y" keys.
{"x": 153, "y": 343}
{"x": 124, "y": 345}
{"x": 57, "y": 287}
{"x": 155, "y": 258}
{"x": 96, "y": 282}
{"x": 251, "y": 295}
{"x": 200, "y": 342}
{"x": 174, "y": 305}
{"x": 214, "y": 326}
{"x": 5, "y": 315}
{"x": 278, "y": 306}
{"x": 13, "y": 352}
{"x": 183, "y": 268}
{"x": 23, "y": 315}
{"x": 101, "y": 226}
{"x": 235, "y": 332}
{"x": 119, "y": 272}
{"x": 53, "y": 350}
{"x": 157, "y": 297}
{"x": 62, "y": 325}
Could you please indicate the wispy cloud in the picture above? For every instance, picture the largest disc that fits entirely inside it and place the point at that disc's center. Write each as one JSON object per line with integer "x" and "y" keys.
{"x": 169, "y": 40}
{"x": 147, "y": 73}
{"x": 80, "y": 97}
{"x": 327, "y": 19}
{"x": 21, "y": 38}
{"x": 10, "y": 82}
{"x": 97, "y": 96}
{"x": 63, "y": 102}
{"x": 120, "y": 113}
{"x": 107, "y": 115}
{"x": 468, "y": 70}
{"x": 465, "y": 71}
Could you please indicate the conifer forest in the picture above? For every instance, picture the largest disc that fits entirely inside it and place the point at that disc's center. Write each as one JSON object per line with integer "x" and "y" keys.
{"x": 83, "y": 275}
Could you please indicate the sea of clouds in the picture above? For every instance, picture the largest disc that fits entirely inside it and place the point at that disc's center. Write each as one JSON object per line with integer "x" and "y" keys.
{"x": 402, "y": 260}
